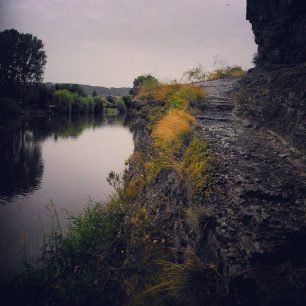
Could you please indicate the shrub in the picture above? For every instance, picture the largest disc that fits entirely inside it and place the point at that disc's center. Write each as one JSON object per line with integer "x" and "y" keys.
{"x": 235, "y": 71}
{"x": 63, "y": 99}
{"x": 121, "y": 106}
{"x": 173, "y": 95}
{"x": 147, "y": 88}
{"x": 195, "y": 75}
{"x": 140, "y": 81}
{"x": 128, "y": 101}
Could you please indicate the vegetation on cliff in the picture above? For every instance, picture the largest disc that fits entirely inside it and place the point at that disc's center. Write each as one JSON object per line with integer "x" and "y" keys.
{"x": 198, "y": 74}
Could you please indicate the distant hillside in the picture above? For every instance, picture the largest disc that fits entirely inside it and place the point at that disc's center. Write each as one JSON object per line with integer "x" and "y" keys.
{"x": 100, "y": 90}
{"x": 114, "y": 91}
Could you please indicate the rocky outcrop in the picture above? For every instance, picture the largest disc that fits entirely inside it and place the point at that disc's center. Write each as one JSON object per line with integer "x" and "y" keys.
{"x": 280, "y": 30}
{"x": 273, "y": 95}
{"x": 276, "y": 99}
{"x": 258, "y": 202}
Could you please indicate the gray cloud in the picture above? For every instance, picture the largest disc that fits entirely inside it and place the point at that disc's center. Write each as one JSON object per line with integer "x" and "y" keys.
{"x": 109, "y": 42}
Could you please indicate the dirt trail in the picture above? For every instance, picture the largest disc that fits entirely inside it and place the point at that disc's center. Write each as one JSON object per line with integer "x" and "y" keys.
{"x": 260, "y": 198}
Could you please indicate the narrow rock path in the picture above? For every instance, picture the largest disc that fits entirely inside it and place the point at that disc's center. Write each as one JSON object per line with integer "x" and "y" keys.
{"x": 260, "y": 188}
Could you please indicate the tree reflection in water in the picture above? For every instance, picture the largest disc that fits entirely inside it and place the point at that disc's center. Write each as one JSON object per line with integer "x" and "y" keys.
{"x": 21, "y": 163}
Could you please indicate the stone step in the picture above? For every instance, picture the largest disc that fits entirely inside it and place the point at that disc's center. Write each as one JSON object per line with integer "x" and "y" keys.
{"x": 213, "y": 118}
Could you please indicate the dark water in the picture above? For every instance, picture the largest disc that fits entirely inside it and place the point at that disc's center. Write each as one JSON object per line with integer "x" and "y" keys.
{"x": 49, "y": 164}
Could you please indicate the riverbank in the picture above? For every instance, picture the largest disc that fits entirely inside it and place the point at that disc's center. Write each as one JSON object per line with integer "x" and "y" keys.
{"x": 133, "y": 248}
{"x": 48, "y": 164}
{"x": 208, "y": 212}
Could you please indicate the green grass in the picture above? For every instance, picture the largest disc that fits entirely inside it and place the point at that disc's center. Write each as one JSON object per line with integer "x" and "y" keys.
{"x": 83, "y": 267}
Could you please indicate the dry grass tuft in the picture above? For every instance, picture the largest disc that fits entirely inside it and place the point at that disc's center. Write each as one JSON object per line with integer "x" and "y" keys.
{"x": 170, "y": 129}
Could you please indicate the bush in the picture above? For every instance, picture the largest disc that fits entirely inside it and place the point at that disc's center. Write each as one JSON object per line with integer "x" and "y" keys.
{"x": 63, "y": 100}
{"x": 69, "y": 102}
{"x": 128, "y": 101}
{"x": 74, "y": 88}
{"x": 195, "y": 75}
{"x": 121, "y": 106}
{"x": 141, "y": 81}
{"x": 234, "y": 72}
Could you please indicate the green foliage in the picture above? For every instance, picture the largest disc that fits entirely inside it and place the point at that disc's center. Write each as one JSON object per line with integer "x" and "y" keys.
{"x": 143, "y": 80}
{"x": 195, "y": 75}
{"x": 63, "y": 99}
{"x": 234, "y": 71}
{"x": 128, "y": 101}
{"x": 196, "y": 162}
{"x": 22, "y": 61}
{"x": 114, "y": 253}
{"x": 121, "y": 106}
{"x": 74, "y": 88}
{"x": 69, "y": 102}
{"x": 84, "y": 267}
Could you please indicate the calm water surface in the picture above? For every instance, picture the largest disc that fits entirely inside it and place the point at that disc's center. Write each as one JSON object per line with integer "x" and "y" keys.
{"x": 48, "y": 164}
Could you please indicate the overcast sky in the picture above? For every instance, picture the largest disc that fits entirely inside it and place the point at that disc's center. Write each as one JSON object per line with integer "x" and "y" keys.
{"x": 110, "y": 42}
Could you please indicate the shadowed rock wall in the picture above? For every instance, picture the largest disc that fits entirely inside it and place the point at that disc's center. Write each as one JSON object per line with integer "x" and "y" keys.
{"x": 280, "y": 30}
{"x": 273, "y": 95}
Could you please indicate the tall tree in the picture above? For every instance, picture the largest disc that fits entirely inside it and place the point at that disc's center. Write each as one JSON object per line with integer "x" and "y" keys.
{"x": 22, "y": 61}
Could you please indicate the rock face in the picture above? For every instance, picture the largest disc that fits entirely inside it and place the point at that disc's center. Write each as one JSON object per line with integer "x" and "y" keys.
{"x": 280, "y": 30}
{"x": 273, "y": 95}
{"x": 258, "y": 202}
{"x": 276, "y": 99}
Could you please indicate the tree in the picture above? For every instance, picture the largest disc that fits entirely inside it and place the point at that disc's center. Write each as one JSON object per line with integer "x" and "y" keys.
{"x": 22, "y": 61}
{"x": 141, "y": 80}
{"x": 64, "y": 99}
{"x": 75, "y": 88}
{"x": 94, "y": 94}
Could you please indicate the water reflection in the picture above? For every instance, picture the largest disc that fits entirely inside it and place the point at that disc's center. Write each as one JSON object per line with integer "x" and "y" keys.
{"x": 65, "y": 161}
{"x": 21, "y": 164}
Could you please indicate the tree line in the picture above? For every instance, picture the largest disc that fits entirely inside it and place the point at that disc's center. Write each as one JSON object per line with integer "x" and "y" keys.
{"x": 22, "y": 64}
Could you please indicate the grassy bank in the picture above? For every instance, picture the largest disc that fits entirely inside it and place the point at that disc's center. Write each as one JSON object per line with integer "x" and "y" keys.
{"x": 124, "y": 251}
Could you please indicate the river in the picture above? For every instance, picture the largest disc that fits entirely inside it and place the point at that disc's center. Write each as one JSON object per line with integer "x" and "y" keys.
{"x": 49, "y": 167}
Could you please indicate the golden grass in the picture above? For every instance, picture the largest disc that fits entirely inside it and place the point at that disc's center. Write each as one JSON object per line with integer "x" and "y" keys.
{"x": 147, "y": 90}
{"x": 170, "y": 129}
{"x": 174, "y": 95}
{"x": 178, "y": 279}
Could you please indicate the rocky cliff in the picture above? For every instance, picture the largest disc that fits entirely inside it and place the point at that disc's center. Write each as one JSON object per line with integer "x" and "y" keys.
{"x": 280, "y": 30}
{"x": 273, "y": 95}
